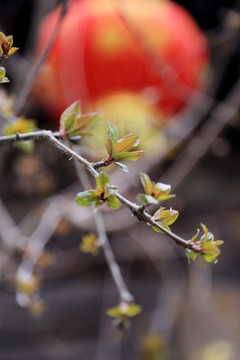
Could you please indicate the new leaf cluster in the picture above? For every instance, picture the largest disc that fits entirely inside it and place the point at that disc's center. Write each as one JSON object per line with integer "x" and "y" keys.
{"x": 208, "y": 246}
{"x": 73, "y": 123}
{"x": 104, "y": 194}
{"x": 119, "y": 150}
{"x": 6, "y": 50}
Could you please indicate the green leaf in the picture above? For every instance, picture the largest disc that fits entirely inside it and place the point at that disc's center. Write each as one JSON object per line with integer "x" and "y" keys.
{"x": 122, "y": 166}
{"x": 89, "y": 244}
{"x": 98, "y": 204}
{"x": 110, "y": 146}
{"x": 194, "y": 238}
{"x": 73, "y": 123}
{"x": 87, "y": 198}
{"x": 68, "y": 119}
{"x": 110, "y": 189}
{"x": 12, "y": 51}
{"x": 113, "y": 202}
{"x": 155, "y": 228}
{"x": 6, "y": 48}
{"x": 165, "y": 217}
{"x": 146, "y": 199}
{"x": 9, "y": 38}
{"x": 146, "y": 183}
{"x": 112, "y": 133}
{"x": 27, "y": 146}
{"x": 191, "y": 255}
{"x": 209, "y": 237}
{"x": 131, "y": 156}
{"x": 124, "y": 309}
{"x": 3, "y": 78}
{"x": 218, "y": 242}
{"x": 209, "y": 247}
{"x": 81, "y": 124}
{"x": 134, "y": 310}
{"x": 209, "y": 252}
{"x": 102, "y": 180}
{"x": 161, "y": 191}
{"x": 21, "y": 125}
{"x": 205, "y": 229}
{"x": 118, "y": 150}
{"x": 127, "y": 143}
{"x": 114, "y": 312}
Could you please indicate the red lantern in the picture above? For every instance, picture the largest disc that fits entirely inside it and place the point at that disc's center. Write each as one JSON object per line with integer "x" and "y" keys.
{"x": 150, "y": 48}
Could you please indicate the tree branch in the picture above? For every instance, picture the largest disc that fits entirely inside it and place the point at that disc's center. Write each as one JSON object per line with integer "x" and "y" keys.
{"x": 113, "y": 266}
{"x": 143, "y": 215}
{"x": 134, "y": 208}
{"x": 123, "y": 291}
{"x": 47, "y": 135}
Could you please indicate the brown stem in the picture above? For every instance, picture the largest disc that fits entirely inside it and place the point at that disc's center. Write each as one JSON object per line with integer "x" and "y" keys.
{"x": 103, "y": 163}
{"x": 47, "y": 135}
{"x": 134, "y": 208}
{"x": 144, "y": 216}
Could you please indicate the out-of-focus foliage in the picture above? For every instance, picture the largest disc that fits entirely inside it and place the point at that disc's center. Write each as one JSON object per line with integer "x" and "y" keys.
{"x": 125, "y": 310}
{"x": 6, "y": 46}
{"x": 21, "y": 125}
{"x": 73, "y": 122}
{"x": 3, "y": 78}
{"x": 90, "y": 244}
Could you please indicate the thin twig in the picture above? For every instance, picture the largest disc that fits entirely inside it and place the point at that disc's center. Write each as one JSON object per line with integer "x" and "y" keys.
{"x": 34, "y": 247}
{"x": 10, "y": 233}
{"x": 43, "y": 232}
{"x": 47, "y": 135}
{"x": 135, "y": 209}
{"x": 113, "y": 266}
{"x": 123, "y": 291}
{"x": 143, "y": 215}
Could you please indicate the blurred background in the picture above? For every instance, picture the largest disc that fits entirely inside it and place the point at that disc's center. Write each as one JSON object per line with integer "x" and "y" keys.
{"x": 180, "y": 94}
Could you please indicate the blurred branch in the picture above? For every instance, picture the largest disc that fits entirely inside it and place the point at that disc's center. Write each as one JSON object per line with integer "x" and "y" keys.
{"x": 199, "y": 145}
{"x": 10, "y": 233}
{"x": 108, "y": 345}
{"x": 124, "y": 293}
{"x": 44, "y": 231}
{"x": 22, "y": 97}
{"x": 32, "y": 250}
{"x": 164, "y": 71}
{"x": 113, "y": 266}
